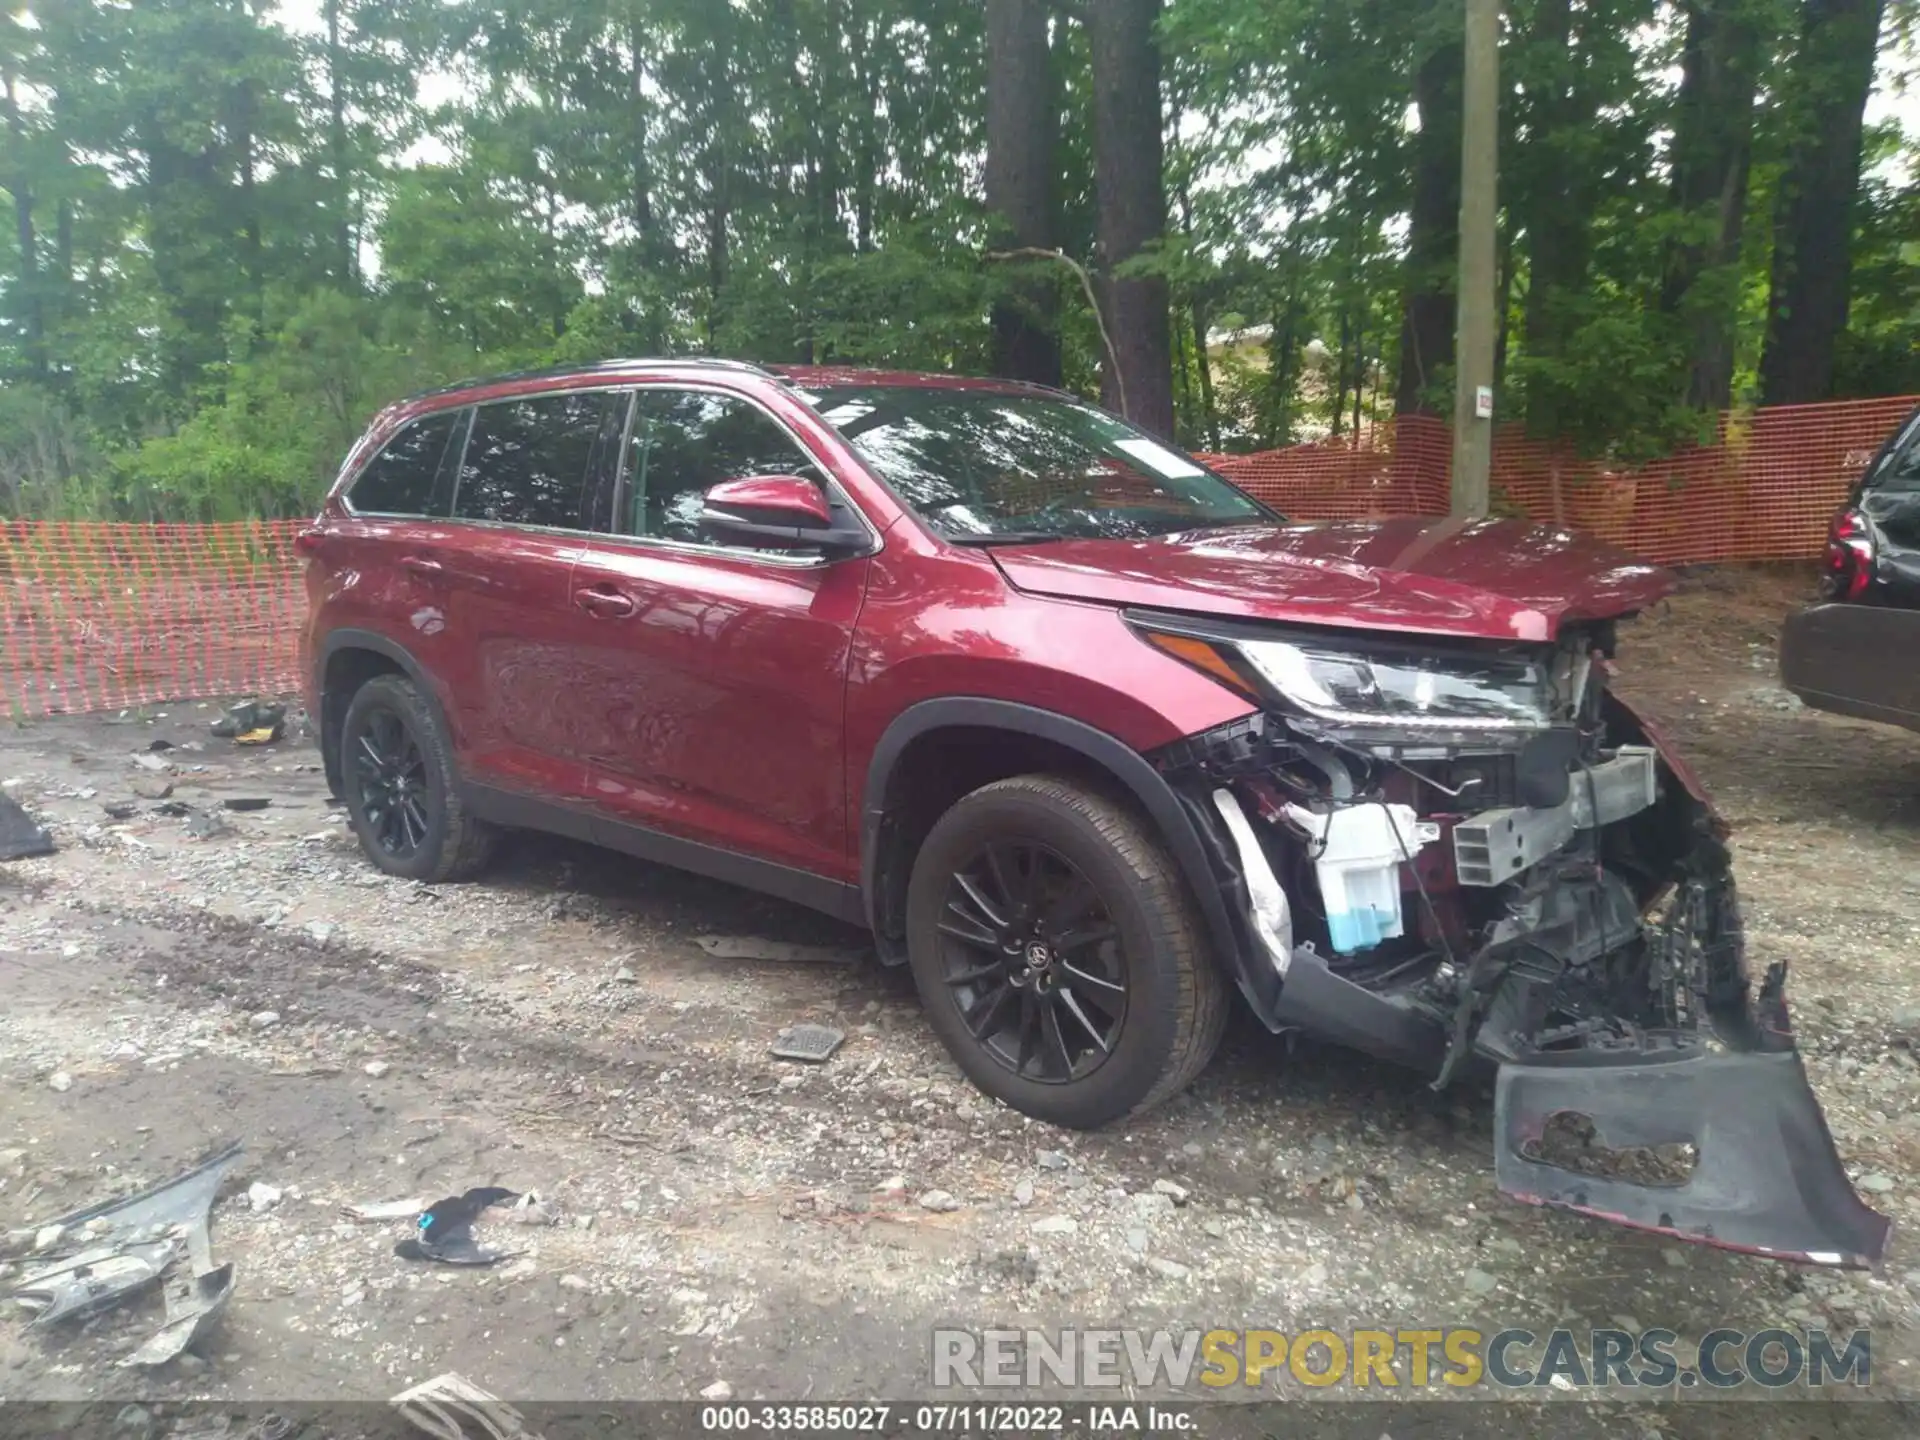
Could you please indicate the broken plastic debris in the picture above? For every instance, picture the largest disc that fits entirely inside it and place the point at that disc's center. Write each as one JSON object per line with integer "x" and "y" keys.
{"x": 385, "y": 1209}
{"x": 192, "y": 1307}
{"x": 20, "y": 837}
{"x": 264, "y": 736}
{"x": 125, "y": 1245}
{"x": 444, "y": 1232}
{"x": 750, "y": 947}
{"x": 813, "y": 1043}
{"x": 447, "y": 1404}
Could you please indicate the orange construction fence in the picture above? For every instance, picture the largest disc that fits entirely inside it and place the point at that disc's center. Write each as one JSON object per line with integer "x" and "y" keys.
{"x": 1765, "y": 488}
{"x": 99, "y": 616}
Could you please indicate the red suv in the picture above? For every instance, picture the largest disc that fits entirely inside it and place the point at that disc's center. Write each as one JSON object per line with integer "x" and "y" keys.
{"x": 1089, "y": 739}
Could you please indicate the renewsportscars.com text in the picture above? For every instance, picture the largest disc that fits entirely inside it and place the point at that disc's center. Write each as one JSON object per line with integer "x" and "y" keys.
{"x": 1211, "y": 1361}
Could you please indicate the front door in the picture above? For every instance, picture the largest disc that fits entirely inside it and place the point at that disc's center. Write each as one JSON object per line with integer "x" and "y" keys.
{"x": 716, "y": 675}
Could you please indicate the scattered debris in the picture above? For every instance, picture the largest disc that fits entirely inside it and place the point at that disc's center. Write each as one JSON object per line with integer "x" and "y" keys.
{"x": 719, "y": 1390}
{"x": 265, "y": 1019}
{"x": 192, "y": 1307}
{"x": 385, "y": 1210}
{"x": 444, "y": 1232}
{"x": 750, "y": 947}
{"x": 173, "y": 809}
{"x": 447, "y": 1404}
{"x": 159, "y": 745}
{"x": 124, "y": 1246}
{"x": 812, "y": 1043}
{"x": 21, "y": 838}
{"x": 375, "y": 1069}
{"x": 156, "y": 763}
{"x": 60, "y": 1082}
{"x": 247, "y": 804}
{"x": 1056, "y": 1225}
{"x": 120, "y": 809}
{"x": 254, "y": 722}
{"x": 204, "y": 825}
{"x": 938, "y": 1201}
{"x": 152, "y": 789}
{"x": 1173, "y": 1192}
{"x": 263, "y": 1197}
{"x": 1877, "y": 1184}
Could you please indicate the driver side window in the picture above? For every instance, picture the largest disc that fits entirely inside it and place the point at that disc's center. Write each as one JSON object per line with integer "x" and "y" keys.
{"x": 687, "y": 441}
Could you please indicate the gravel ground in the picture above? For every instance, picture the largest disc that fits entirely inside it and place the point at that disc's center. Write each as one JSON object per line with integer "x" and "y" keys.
{"x": 723, "y": 1218}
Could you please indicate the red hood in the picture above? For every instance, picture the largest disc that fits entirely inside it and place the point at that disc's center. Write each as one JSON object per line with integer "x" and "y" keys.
{"x": 1488, "y": 579}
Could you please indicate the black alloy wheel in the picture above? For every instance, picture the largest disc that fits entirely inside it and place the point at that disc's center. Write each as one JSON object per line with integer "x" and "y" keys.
{"x": 391, "y": 785}
{"x": 1055, "y": 947}
{"x": 1033, "y": 961}
{"x": 403, "y": 794}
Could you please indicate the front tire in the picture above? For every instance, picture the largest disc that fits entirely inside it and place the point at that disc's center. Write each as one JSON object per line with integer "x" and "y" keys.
{"x": 1056, "y": 951}
{"x": 402, "y": 792}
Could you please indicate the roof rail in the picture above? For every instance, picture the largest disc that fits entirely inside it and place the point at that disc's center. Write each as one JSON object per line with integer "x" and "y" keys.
{"x": 558, "y": 372}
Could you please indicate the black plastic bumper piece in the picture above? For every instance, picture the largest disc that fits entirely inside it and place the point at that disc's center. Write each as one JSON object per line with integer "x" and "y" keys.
{"x": 1767, "y": 1179}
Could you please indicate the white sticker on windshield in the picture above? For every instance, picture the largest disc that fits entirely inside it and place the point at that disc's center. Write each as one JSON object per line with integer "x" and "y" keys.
{"x": 1162, "y": 461}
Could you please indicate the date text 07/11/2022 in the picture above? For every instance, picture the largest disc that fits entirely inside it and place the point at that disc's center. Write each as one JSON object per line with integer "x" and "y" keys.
{"x": 945, "y": 1419}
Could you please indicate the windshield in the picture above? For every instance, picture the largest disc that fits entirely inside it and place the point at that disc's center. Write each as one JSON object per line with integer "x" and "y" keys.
{"x": 977, "y": 465}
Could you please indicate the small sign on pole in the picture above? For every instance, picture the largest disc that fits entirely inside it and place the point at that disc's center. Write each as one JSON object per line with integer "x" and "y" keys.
{"x": 1483, "y": 402}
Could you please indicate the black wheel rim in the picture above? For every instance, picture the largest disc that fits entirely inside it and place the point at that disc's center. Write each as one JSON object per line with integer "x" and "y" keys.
{"x": 1032, "y": 958}
{"x": 390, "y": 775}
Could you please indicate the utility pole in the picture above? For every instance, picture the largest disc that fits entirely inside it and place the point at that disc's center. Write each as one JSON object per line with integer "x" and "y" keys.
{"x": 1477, "y": 326}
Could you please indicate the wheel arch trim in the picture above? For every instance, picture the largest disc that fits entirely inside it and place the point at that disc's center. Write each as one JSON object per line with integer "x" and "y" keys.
{"x": 370, "y": 640}
{"x": 1172, "y": 819}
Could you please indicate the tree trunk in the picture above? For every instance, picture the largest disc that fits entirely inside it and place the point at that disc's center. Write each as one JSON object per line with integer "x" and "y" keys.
{"x": 1433, "y": 234}
{"x": 1813, "y": 216}
{"x": 32, "y": 313}
{"x": 1710, "y": 156}
{"x": 1128, "y": 183}
{"x": 1023, "y": 136}
{"x": 346, "y": 264}
{"x": 1557, "y": 185}
{"x": 250, "y": 245}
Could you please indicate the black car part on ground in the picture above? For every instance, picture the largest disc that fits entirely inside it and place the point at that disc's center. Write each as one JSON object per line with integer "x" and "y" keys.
{"x": 21, "y": 838}
{"x": 1582, "y": 936}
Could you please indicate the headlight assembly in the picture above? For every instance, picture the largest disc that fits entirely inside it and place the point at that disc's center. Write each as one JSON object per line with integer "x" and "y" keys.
{"x": 1360, "y": 682}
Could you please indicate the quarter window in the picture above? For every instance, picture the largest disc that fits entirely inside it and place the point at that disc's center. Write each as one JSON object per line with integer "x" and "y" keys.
{"x": 527, "y": 461}
{"x": 401, "y": 480}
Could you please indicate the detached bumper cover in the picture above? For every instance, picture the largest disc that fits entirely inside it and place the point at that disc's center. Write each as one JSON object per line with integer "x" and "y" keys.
{"x": 1767, "y": 1179}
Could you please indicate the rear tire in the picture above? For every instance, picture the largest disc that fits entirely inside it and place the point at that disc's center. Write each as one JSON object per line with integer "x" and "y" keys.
{"x": 1057, "y": 953}
{"x": 401, "y": 788}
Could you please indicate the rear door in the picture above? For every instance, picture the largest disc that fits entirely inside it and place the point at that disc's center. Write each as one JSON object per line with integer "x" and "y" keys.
{"x": 715, "y": 675}
{"x": 518, "y": 529}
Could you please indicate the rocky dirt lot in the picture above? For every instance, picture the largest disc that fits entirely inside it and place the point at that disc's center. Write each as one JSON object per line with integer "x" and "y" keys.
{"x": 729, "y": 1223}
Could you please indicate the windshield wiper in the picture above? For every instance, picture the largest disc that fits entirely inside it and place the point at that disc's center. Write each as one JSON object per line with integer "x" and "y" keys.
{"x": 1006, "y": 537}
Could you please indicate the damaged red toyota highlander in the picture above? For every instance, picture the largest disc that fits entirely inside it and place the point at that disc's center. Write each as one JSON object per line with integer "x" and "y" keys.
{"x": 1089, "y": 739}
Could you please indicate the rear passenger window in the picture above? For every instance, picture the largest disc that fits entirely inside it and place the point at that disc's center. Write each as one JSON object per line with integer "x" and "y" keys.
{"x": 400, "y": 480}
{"x": 527, "y": 461}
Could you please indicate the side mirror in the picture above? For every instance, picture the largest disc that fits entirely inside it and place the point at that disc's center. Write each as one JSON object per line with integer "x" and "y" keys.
{"x": 781, "y": 512}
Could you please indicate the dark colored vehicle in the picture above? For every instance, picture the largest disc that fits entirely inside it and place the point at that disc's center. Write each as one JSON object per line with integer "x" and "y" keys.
{"x": 1088, "y": 739}
{"x": 1857, "y": 652}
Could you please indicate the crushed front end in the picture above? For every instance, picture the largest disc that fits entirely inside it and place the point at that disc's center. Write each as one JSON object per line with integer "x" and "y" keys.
{"x": 1447, "y": 853}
